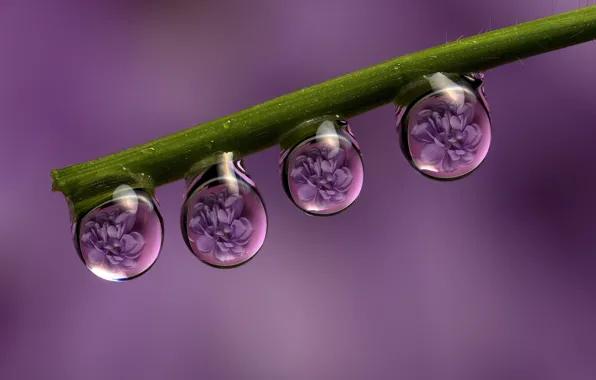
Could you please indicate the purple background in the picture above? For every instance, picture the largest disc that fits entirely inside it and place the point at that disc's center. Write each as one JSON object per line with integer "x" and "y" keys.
{"x": 489, "y": 278}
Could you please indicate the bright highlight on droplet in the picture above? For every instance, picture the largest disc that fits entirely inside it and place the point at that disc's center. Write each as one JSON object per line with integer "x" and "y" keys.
{"x": 127, "y": 197}
{"x": 227, "y": 170}
{"x": 455, "y": 93}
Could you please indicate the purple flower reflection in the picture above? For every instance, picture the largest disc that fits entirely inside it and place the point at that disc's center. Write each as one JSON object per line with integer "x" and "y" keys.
{"x": 221, "y": 228}
{"x": 448, "y": 134}
{"x": 112, "y": 241}
{"x": 322, "y": 175}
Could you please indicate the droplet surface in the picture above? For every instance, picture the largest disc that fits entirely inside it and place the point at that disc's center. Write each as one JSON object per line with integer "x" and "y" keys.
{"x": 323, "y": 174}
{"x": 224, "y": 221}
{"x": 122, "y": 238}
{"x": 446, "y": 134}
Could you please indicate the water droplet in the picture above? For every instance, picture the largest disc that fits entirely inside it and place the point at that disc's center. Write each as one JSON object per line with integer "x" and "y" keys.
{"x": 224, "y": 221}
{"x": 446, "y": 134}
{"x": 149, "y": 150}
{"x": 118, "y": 242}
{"x": 323, "y": 173}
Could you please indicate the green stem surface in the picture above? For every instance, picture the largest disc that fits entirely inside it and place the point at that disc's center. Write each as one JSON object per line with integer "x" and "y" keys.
{"x": 262, "y": 126}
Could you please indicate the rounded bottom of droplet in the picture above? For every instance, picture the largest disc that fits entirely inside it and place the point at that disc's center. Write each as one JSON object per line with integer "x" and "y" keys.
{"x": 120, "y": 239}
{"x": 445, "y": 135}
{"x": 323, "y": 174}
{"x": 224, "y": 222}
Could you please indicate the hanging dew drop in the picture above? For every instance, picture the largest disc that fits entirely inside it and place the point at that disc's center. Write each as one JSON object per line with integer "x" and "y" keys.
{"x": 446, "y": 134}
{"x": 223, "y": 190}
{"x": 323, "y": 174}
{"x": 134, "y": 249}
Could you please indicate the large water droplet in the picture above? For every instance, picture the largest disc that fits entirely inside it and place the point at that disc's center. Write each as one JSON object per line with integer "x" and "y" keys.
{"x": 323, "y": 173}
{"x": 224, "y": 221}
{"x": 446, "y": 133}
{"x": 120, "y": 239}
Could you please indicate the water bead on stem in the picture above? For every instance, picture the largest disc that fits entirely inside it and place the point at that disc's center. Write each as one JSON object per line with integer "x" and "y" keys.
{"x": 121, "y": 238}
{"x": 223, "y": 219}
{"x": 321, "y": 166}
{"x": 454, "y": 140}
{"x": 444, "y": 125}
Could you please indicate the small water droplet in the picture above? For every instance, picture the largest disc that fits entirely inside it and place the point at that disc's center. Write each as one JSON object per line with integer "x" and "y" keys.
{"x": 336, "y": 187}
{"x": 139, "y": 246}
{"x": 224, "y": 187}
{"x": 445, "y": 137}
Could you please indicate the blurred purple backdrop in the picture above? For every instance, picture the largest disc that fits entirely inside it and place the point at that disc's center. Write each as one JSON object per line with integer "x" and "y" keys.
{"x": 489, "y": 278}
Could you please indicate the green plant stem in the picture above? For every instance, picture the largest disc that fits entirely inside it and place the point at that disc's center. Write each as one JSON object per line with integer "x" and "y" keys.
{"x": 254, "y": 129}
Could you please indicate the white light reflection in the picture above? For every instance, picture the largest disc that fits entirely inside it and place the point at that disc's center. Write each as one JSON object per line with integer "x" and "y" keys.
{"x": 127, "y": 198}
{"x": 106, "y": 274}
{"x": 226, "y": 170}
{"x": 440, "y": 82}
{"x": 328, "y": 134}
{"x": 429, "y": 168}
